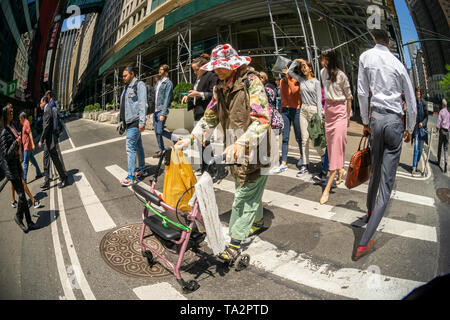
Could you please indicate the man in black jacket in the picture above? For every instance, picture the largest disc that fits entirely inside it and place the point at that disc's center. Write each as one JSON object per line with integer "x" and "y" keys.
{"x": 199, "y": 98}
{"x": 50, "y": 141}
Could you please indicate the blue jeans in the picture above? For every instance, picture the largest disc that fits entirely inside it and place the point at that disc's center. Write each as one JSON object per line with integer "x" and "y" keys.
{"x": 418, "y": 148}
{"x": 290, "y": 116}
{"x": 134, "y": 145}
{"x": 159, "y": 130}
{"x": 27, "y": 157}
{"x": 325, "y": 161}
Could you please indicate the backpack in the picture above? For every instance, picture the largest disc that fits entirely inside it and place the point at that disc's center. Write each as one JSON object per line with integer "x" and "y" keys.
{"x": 150, "y": 97}
{"x": 276, "y": 120}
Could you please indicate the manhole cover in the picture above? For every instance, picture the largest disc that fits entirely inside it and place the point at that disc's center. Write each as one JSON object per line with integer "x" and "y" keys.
{"x": 121, "y": 251}
{"x": 443, "y": 195}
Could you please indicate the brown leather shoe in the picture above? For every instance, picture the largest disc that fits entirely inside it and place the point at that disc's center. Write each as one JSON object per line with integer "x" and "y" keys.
{"x": 359, "y": 254}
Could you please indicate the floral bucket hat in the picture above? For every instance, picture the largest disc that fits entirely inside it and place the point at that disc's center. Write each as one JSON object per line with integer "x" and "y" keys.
{"x": 224, "y": 56}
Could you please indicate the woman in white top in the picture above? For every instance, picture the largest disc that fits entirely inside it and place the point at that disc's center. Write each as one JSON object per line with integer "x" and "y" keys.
{"x": 337, "y": 116}
{"x": 311, "y": 93}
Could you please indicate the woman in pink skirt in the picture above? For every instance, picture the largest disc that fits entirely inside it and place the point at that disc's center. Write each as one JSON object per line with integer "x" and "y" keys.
{"x": 338, "y": 103}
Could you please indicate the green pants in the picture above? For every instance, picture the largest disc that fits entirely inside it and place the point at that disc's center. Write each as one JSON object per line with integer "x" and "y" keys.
{"x": 247, "y": 207}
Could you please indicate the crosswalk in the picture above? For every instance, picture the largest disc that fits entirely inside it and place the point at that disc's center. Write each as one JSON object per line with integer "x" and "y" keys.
{"x": 297, "y": 267}
{"x": 291, "y": 265}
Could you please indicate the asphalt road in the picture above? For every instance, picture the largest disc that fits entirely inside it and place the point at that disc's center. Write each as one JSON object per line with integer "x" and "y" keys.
{"x": 305, "y": 253}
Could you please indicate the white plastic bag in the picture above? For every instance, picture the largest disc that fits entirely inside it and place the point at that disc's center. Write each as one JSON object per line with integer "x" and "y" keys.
{"x": 204, "y": 191}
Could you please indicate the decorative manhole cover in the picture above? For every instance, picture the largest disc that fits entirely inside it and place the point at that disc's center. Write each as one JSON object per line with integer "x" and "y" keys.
{"x": 121, "y": 251}
{"x": 443, "y": 195}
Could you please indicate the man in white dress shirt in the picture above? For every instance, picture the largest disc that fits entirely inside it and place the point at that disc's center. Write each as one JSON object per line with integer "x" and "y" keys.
{"x": 382, "y": 74}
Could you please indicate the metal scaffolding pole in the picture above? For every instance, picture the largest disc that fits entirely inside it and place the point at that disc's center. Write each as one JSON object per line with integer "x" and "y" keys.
{"x": 342, "y": 56}
{"x": 139, "y": 63}
{"x": 316, "y": 56}
{"x": 224, "y": 36}
{"x": 103, "y": 92}
{"x": 308, "y": 51}
{"x": 184, "y": 42}
{"x": 272, "y": 23}
{"x": 116, "y": 87}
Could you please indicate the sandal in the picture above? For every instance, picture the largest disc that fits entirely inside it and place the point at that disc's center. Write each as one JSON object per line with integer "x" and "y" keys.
{"x": 256, "y": 229}
{"x": 230, "y": 253}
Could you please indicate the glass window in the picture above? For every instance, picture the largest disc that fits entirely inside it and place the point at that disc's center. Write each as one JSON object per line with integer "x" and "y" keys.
{"x": 157, "y": 3}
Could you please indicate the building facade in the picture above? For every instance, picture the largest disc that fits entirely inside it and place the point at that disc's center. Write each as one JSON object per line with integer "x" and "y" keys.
{"x": 61, "y": 74}
{"x": 148, "y": 33}
{"x": 431, "y": 18}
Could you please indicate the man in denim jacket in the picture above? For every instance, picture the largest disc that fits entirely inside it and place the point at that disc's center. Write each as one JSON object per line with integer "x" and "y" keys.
{"x": 133, "y": 108}
{"x": 163, "y": 99}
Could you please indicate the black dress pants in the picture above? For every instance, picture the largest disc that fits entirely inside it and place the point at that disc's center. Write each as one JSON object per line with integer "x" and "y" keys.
{"x": 22, "y": 206}
{"x": 55, "y": 156}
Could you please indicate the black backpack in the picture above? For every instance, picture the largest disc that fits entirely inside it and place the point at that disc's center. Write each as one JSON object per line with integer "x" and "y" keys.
{"x": 59, "y": 124}
{"x": 150, "y": 97}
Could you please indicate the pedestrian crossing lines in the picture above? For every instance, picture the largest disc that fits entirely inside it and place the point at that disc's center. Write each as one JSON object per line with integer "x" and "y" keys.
{"x": 297, "y": 267}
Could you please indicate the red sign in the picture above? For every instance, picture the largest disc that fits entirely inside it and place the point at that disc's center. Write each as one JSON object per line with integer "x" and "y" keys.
{"x": 53, "y": 36}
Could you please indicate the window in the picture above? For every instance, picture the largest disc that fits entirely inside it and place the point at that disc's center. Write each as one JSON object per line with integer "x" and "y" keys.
{"x": 157, "y": 3}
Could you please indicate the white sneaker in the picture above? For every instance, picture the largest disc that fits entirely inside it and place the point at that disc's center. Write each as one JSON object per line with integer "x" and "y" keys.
{"x": 280, "y": 169}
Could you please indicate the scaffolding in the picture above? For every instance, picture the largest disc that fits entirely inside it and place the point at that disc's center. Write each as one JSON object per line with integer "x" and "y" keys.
{"x": 183, "y": 62}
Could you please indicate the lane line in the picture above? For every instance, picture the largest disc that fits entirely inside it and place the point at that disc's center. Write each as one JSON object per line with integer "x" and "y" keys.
{"x": 297, "y": 267}
{"x": 76, "y": 267}
{"x": 158, "y": 291}
{"x": 99, "y": 217}
{"x": 101, "y": 143}
{"x": 343, "y": 215}
{"x": 67, "y": 288}
{"x": 397, "y": 195}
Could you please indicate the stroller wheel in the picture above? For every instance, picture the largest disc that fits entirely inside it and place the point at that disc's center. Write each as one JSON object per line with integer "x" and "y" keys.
{"x": 149, "y": 255}
{"x": 242, "y": 262}
{"x": 190, "y": 286}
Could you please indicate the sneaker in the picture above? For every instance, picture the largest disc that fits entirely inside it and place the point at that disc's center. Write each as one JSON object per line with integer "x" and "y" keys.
{"x": 303, "y": 170}
{"x": 14, "y": 204}
{"x": 319, "y": 178}
{"x": 280, "y": 169}
{"x": 128, "y": 181}
{"x": 198, "y": 172}
{"x": 139, "y": 173}
{"x": 413, "y": 172}
{"x": 37, "y": 204}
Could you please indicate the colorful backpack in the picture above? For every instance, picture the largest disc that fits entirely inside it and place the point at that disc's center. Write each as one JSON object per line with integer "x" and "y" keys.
{"x": 277, "y": 122}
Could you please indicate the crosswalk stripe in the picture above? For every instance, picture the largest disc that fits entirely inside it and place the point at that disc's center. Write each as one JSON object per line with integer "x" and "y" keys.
{"x": 343, "y": 215}
{"x": 99, "y": 217}
{"x": 67, "y": 289}
{"x": 81, "y": 282}
{"x": 397, "y": 195}
{"x": 348, "y": 282}
{"x": 158, "y": 291}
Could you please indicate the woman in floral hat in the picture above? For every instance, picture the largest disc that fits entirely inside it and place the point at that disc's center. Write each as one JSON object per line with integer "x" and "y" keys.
{"x": 239, "y": 104}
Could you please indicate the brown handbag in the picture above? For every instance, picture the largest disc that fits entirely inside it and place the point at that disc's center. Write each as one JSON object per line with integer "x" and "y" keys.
{"x": 359, "y": 167}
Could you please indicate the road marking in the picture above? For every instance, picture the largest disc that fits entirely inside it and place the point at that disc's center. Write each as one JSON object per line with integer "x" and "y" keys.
{"x": 158, "y": 291}
{"x": 76, "y": 267}
{"x": 99, "y": 217}
{"x": 70, "y": 139}
{"x": 67, "y": 289}
{"x": 397, "y": 195}
{"x": 343, "y": 215}
{"x": 96, "y": 144}
{"x": 347, "y": 282}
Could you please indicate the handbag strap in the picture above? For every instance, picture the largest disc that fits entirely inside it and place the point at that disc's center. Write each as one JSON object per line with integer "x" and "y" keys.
{"x": 362, "y": 138}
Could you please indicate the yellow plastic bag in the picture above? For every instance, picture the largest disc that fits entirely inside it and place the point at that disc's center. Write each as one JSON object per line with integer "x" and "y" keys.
{"x": 178, "y": 177}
